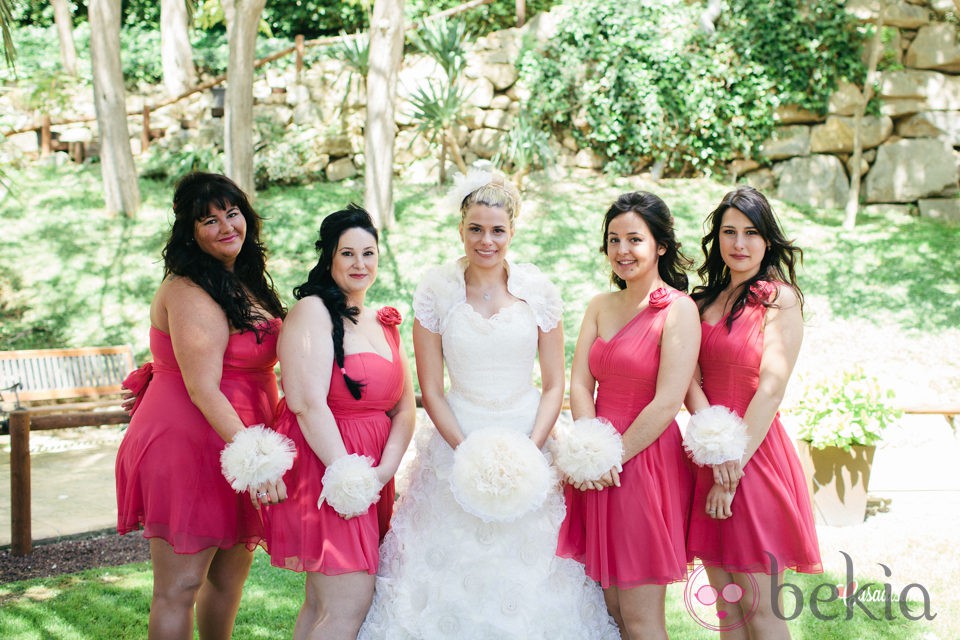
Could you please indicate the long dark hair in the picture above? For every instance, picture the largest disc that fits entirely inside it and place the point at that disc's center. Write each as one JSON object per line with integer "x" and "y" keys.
{"x": 672, "y": 265}
{"x": 320, "y": 281}
{"x": 235, "y": 291}
{"x": 779, "y": 260}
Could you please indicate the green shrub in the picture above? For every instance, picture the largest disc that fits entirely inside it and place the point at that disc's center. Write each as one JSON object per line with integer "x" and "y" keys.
{"x": 639, "y": 82}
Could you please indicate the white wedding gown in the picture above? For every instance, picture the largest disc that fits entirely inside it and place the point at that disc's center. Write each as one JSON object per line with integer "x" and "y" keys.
{"x": 446, "y": 574}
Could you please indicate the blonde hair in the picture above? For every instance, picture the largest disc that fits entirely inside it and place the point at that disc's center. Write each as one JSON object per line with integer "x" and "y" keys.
{"x": 494, "y": 190}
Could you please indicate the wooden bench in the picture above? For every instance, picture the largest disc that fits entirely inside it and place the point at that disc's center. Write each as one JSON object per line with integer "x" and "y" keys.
{"x": 34, "y": 384}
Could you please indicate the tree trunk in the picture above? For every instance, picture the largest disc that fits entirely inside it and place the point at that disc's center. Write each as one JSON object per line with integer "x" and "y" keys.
{"x": 121, "y": 191}
{"x": 243, "y": 20}
{"x": 853, "y": 196}
{"x": 176, "y": 54}
{"x": 386, "y": 53}
{"x": 64, "y": 22}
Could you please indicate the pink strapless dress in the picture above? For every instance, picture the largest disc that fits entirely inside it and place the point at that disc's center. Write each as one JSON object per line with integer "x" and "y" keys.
{"x": 168, "y": 466}
{"x": 302, "y": 537}
{"x": 771, "y": 508}
{"x": 633, "y": 535}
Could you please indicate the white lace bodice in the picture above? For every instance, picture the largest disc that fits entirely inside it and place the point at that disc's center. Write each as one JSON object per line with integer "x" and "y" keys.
{"x": 489, "y": 360}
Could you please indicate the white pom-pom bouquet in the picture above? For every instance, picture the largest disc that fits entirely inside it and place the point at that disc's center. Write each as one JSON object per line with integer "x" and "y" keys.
{"x": 715, "y": 435}
{"x": 586, "y": 449}
{"x": 350, "y": 485}
{"x": 255, "y": 456}
{"x": 499, "y": 475}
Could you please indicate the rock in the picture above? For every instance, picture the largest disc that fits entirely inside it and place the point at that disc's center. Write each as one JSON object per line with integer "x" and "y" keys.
{"x": 588, "y": 159}
{"x": 497, "y": 119}
{"x": 569, "y": 142}
{"x": 410, "y": 146}
{"x": 940, "y": 209}
{"x": 501, "y": 101}
{"x": 341, "y": 169}
{"x": 932, "y": 124}
{"x": 845, "y": 100}
{"x": 417, "y": 70}
{"x": 334, "y": 142}
{"x": 478, "y": 92}
{"x": 485, "y": 142}
{"x": 792, "y": 114}
{"x": 28, "y": 141}
{"x": 297, "y": 94}
{"x": 935, "y": 47}
{"x": 898, "y": 176}
{"x": 864, "y": 165}
{"x": 896, "y": 13}
{"x": 501, "y": 75}
{"x": 544, "y": 25}
{"x": 935, "y": 91}
{"x": 887, "y": 209}
{"x": 836, "y": 135}
{"x": 519, "y": 93}
{"x": 761, "y": 180}
{"x": 787, "y": 142}
{"x": 307, "y": 114}
{"x": 473, "y": 117}
{"x": 942, "y": 7}
{"x": 816, "y": 180}
{"x": 741, "y": 166}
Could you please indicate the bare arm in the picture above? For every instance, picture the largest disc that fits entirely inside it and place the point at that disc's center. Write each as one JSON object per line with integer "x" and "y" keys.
{"x": 582, "y": 383}
{"x": 679, "y": 348}
{"x": 402, "y": 417}
{"x": 550, "y": 346}
{"x": 783, "y": 333}
{"x": 428, "y": 349}
{"x": 199, "y": 332}
{"x": 305, "y": 349}
{"x": 696, "y": 399}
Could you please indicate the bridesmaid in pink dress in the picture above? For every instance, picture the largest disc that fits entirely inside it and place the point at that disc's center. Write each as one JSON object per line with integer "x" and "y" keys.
{"x": 749, "y": 509}
{"x": 636, "y": 346}
{"x": 350, "y": 409}
{"x": 213, "y": 334}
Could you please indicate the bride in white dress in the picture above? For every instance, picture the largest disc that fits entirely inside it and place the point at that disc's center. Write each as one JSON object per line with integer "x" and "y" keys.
{"x": 445, "y": 573}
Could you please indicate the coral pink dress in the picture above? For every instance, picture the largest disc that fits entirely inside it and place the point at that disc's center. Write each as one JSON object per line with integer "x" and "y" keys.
{"x": 168, "y": 466}
{"x": 633, "y": 535}
{"x": 302, "y": 537}
{"x": 771, "y": 508}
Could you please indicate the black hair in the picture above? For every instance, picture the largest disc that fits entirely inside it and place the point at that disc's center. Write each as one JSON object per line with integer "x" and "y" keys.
{"x": 778, "y": 263}
{"x": 672, "y": 264}
{"x": 237, "y": 290}
{"x": 320, "y": 281}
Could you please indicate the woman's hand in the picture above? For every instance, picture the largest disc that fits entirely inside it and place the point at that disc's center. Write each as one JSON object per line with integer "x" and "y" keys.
{"x": 127, "y": 401}
{"x": 719, "y": 502}
{"x": 268, "y": 493}
{"x": 727, "y": 475}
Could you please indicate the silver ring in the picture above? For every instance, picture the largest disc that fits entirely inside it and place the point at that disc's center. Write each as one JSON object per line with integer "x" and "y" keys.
{"x": 260, "y": 494}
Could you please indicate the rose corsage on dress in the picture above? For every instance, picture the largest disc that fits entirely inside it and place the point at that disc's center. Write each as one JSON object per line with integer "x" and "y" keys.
{"x": 389, "y": 316}
{"x": 350, "y": 485}
{"x": 586, "y": 449}
{"x": 715, "y": 435}
{"x": 136, "y": 383}
{"x": 255, "y": 456}
{"x": 499, "y": 475}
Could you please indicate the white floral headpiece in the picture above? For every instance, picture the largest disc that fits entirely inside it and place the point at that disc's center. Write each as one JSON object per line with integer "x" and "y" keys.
{"x": 464, "y": 185}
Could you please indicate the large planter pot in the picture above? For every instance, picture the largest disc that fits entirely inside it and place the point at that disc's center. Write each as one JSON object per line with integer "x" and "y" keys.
{"x": 838, "y": 480}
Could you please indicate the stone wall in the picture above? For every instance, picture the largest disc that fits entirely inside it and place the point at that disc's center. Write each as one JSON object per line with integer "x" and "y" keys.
{"x": 910, "y": 160}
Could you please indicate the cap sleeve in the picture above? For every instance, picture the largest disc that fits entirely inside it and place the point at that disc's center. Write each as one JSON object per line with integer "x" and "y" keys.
{"x": 438, "y": 292}
{"x": 528, "y": 283}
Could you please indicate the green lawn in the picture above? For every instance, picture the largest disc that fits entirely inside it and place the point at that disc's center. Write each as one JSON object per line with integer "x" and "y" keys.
{"x": 114, "y": 603}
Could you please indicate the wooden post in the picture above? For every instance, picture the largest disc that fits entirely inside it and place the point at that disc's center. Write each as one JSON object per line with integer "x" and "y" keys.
{"x": 521, "y": 12}
{"x": 20, "y": 525}
{"x": 45, "y": 135}
{"x": 145, "y": 134}
{"x": 298, "y": 45}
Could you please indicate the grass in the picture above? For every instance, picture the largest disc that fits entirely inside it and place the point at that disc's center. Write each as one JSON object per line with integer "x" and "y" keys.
{"x": 114, "y": 603}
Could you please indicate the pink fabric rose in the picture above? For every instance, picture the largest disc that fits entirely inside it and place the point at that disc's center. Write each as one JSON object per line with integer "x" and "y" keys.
{"x": 659, "y": 297}
{"x": 389, "y": 317}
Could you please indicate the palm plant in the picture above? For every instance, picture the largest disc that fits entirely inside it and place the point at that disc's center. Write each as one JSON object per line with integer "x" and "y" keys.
{"x": 525, "y": 147}
{"x": 354, "y": 54}
{"x": 438, "y": 107}
{"x": 6, "y": 19}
